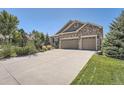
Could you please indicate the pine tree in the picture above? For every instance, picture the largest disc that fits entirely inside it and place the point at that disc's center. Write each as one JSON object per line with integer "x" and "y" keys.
{"x": 47, "y": 40}
{"x": 113, "y": 44}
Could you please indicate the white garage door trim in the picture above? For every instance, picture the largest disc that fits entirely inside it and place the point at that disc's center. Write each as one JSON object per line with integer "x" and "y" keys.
{"x": 69, "y": 38}
{"x": 90, "y": 36}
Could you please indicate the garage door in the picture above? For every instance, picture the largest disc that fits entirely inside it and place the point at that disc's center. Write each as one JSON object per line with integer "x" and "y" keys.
{"x": 89, "y": 43}
{"x": 69, "y": 44}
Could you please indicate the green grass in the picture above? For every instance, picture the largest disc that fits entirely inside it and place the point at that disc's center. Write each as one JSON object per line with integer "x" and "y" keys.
{"x": 101, "y": 70}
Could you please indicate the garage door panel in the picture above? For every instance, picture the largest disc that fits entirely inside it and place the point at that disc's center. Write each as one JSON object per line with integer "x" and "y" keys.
{"x": 69, "y": 44}
{"x": 89, "y": 43}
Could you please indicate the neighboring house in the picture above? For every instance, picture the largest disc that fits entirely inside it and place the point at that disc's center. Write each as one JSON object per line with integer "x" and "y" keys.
{"x": 78, "y": 35}
{"x": 30, "y": 36}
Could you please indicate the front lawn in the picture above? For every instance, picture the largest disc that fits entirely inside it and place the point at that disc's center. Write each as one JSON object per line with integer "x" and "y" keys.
{"x": 101, "y": 70}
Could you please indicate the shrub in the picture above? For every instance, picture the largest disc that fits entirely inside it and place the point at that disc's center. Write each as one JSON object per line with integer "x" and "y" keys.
{"x": 32, "y": 46}
{"x": 44, "y": 48}
{"x": 7, "y": 51}
{"x": 38, "y": 47}
{"x": 49, "y": 47}
{"x": 31, "y": 49}
{"x": 0, "y": 53}
{"x": 13, "y": 52}
{"x": 20, "y": 51}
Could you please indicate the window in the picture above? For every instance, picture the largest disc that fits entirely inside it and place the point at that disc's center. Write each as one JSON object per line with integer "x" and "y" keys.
{"x": 75, "y": 25}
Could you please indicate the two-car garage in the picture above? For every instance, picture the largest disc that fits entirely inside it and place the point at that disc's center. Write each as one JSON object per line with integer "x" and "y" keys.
{"x": 87, "y": 43}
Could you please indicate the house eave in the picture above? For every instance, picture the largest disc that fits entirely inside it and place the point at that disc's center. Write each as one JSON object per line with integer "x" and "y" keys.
{"x": 62, "y": 30}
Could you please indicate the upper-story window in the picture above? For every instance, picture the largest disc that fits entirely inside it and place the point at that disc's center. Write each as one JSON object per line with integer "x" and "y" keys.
{"x": 90, "y": 31}
{"x": 75, "y": 25}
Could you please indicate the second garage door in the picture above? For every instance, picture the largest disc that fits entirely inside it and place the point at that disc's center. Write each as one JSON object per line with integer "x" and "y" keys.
{"x": 69, "y": 44}
{"x": 89, "y": 43}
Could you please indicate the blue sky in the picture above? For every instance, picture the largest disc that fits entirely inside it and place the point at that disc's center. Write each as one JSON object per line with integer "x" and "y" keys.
{"x": 50, "y": 20}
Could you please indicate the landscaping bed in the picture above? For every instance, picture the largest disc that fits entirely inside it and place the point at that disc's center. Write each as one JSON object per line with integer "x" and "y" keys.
{"x": 101, "y": 70}
{"x": 13, "y": 51}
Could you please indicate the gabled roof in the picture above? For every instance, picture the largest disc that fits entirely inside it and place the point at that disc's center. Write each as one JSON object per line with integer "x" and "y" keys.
{"x": 66, "y": 26}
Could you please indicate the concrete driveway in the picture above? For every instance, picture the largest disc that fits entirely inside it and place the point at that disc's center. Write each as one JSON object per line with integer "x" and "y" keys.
{"x": 56, "y": 66}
